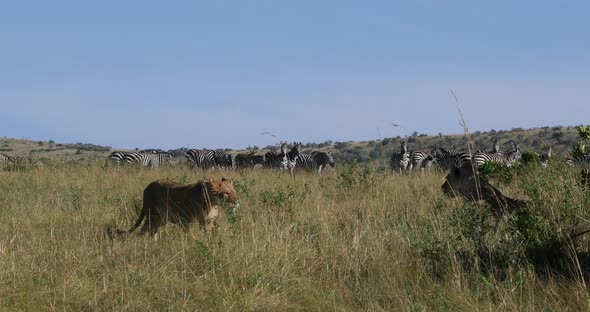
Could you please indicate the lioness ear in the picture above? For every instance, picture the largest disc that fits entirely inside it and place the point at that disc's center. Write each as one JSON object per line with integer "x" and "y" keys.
{"x": 227, "y": 179}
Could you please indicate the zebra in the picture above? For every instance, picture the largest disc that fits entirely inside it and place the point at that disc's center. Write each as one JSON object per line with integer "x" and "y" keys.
{"x": 274, "y": 159}
{"x": 496, "y": 148}
{"x": 581, "y": 159}
{"x": 207, "y": 159}
{"x": 544, "y": 158}
{"x": 223, "y": 159}
{"x": 143, "y": 159}
{"x": 446, "y": 159}
{"x": 507, "y": 159}
{"x": 19, "y": 161}
{"x": 6, "y": 158}
{"x": 420, "y": 159}
{"x": 116, "y": 157}
{"x": 315, "y": 161}
{"x": 290, "y": 158}
{"x": 200, "y": 158}
{"x": 399, "y": 161}
{"x": 248, "y": 160}
{"x": 152, "y": 160}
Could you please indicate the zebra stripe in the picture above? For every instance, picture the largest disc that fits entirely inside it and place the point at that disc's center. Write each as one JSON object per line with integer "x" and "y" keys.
{"x": 400, "y": 160}
{"x": 314, "y": 161}
{"x": 544, "y": 159}
{"x": 420, "y": 159}
{"x": 496, "y": 148}
{"x": 275, "y": 159}
{"x": 5, "y": 158}
{"x": 20, "y": 160}
{"x": 290, "y": 158}
{"x": 207, "y": 159}
{"x": 582, "y": 159}
{"x": 446, "y": 159}
{"x": 508, "y": 158}
{"x": 249, "y": 160}
{"x": 143, "y": 159}
{"x": 200, "y": 158}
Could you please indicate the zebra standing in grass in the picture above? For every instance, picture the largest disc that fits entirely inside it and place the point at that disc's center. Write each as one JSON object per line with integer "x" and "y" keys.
{"x": 207, "y": 159}
{"x": 5, "y": 158}
{"x": 544, "y": 158}
{"x": 420, "y": 160}
{"x": 152, "y": 160}
{"x": 116, "y": 157}
{"x": 509, "y": 158}
{"x": 290, "y": 158}
{"x": 203, "y": 159}
{"x": 496, "y": 148}
{"x": 315, "y": 161}
{"x": 275, "y": 159}
{"x": 400, "y": 160}
{"x": 446, "y": 159}
{"x": 582, "y": 159}
{"x": 249, "y": 160}
{"x": 223, "y": 159}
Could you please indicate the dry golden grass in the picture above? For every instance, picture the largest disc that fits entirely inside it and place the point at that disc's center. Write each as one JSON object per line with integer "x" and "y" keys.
{"x": 335, "y": 243}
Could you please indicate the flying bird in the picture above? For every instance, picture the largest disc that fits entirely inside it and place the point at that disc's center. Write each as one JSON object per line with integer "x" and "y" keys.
{"x": 268, "y": 133}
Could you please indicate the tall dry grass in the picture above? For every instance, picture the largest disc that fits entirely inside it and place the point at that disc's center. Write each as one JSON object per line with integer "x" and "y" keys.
{"x": 346, "y": 242}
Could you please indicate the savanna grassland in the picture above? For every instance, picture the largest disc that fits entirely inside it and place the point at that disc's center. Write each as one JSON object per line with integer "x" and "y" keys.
{"x": 352, "y": 240}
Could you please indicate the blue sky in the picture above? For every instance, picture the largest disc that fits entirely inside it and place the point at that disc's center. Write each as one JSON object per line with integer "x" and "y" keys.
{"x": 218, "y": 73}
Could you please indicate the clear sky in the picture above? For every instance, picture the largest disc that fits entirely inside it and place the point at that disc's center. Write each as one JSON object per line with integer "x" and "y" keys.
{"x": 171, "y": 74}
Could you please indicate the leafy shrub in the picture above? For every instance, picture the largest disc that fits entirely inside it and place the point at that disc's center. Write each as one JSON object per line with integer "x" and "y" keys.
{"x": 542, "y": 237}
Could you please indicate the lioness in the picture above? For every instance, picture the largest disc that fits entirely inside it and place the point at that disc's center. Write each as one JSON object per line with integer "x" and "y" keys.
{"x": 464, "y": 182}
{"x": 167, "y": 201}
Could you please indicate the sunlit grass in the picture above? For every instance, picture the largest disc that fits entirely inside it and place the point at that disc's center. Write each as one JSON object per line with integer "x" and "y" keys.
{"x": 344, "y": 241}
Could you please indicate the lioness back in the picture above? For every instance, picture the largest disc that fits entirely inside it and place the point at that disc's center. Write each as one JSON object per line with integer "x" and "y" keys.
{"x": 168, "y": 201}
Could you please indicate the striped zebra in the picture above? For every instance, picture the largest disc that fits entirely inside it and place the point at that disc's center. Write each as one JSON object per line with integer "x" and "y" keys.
{"x": 202, "y": 158}
{"x": 223, "y": 160}
{"x": 581, "y": 159}
{"x": 496, "y": 148}
{"x": 208, "y": 159}
{"x": 152, "y": 160}
{"x": 248, "y": 160}
{"x": 290, "y": 159}
{"x": 283, "y": 160}
{"x": 274, "y": 159}
{"x": 399, "y": 161}
{"x": 116, "y": 157}
{"x": 446, "y": 159}
{"x": 314, "y": 161}
{"x": 6, "y": 158}
{"x": 420, "y": 160}
{"x": 16, "y": 162}
{"x": 544, "y": 158}
{"x": 508, "y": 158}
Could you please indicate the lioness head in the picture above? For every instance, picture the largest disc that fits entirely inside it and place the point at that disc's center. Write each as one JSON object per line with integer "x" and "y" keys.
{"x": 224, "y": 188}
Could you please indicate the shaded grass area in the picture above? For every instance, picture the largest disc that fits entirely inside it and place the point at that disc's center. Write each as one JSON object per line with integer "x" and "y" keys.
{"x": 352, "y": 240}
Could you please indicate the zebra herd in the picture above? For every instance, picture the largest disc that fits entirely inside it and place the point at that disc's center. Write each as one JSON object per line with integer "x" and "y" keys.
{"x": 144, "y": 158}
{"x": 19, "y": 160}
{"x": 406, "y": 161}
{"x": 284, "y": 159}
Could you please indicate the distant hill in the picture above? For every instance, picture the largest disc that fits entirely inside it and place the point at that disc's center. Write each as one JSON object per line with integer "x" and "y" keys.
{"x": 376, "y": 152}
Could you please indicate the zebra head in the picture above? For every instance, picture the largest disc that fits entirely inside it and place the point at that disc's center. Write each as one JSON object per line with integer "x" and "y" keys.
{"x": 331, "y": 160}
{"x": 404, "y": 146}
{"x": 544, "y": 159}
{"x": 496, "y": 148}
